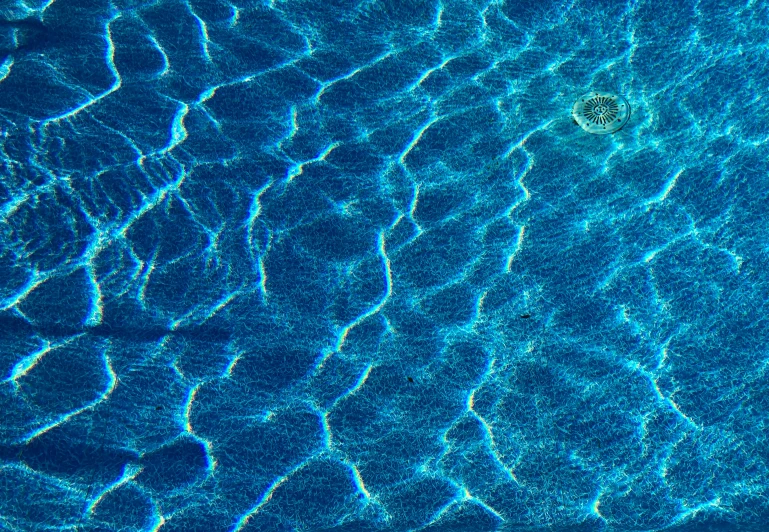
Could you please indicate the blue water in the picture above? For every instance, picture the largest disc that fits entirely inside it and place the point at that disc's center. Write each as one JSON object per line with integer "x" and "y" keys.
{"x": 349, "y": 265}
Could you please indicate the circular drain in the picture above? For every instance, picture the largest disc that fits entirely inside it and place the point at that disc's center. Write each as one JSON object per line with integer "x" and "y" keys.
{"x": 601, "y": 112}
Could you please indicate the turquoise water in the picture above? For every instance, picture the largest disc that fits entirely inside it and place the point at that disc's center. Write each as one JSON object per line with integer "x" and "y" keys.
{"x": 339, "y": 265}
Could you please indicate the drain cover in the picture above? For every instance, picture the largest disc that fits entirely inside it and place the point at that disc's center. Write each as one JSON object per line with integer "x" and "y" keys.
{"x": 601, "y": 112}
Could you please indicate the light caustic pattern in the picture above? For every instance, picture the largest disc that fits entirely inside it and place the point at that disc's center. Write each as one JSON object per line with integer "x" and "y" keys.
{"x": 318, "y": 265}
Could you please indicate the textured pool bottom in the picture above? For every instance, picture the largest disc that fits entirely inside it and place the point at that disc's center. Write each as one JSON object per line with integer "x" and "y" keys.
{"x": 320, "y": 268}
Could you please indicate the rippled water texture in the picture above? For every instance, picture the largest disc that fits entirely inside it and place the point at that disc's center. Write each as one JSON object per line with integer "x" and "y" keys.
{"x": 337, "y": 265}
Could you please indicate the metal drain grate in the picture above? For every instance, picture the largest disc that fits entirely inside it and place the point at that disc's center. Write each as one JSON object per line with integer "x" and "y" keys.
{"x": 601, "y": 112}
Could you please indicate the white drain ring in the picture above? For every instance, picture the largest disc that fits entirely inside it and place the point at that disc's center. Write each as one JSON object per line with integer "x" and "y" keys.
{"x": 601, "y": 113}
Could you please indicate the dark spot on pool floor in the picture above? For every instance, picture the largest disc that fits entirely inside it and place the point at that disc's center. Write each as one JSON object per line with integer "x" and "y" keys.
{"x": 526, "y": 316}
{"x": 411, "y": 379}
